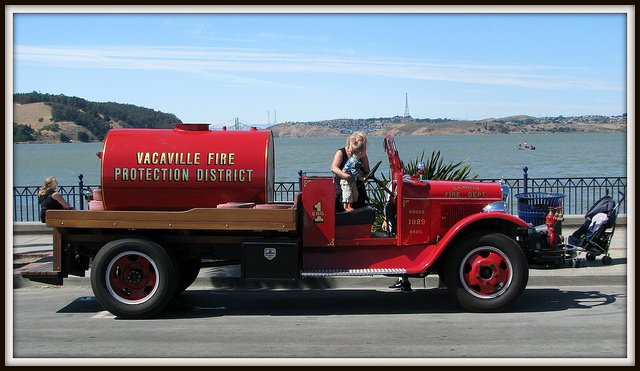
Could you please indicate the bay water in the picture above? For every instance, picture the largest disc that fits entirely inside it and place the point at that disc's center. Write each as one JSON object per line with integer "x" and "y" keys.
{"x": 490, "y": 156}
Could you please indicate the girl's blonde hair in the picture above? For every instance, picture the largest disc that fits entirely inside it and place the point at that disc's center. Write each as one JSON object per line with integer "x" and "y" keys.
{"x": 358, "y": 146}
{"x": 47, "y": 183}
{"x": 353, "y": 137}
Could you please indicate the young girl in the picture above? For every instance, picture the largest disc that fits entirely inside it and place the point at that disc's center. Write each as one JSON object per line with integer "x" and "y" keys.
{"x": 354, "y": 167}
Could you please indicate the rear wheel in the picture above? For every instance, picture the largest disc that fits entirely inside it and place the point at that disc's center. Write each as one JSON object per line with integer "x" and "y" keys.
{"x": 486, "y": 272}
{"x": 133, "y": 277}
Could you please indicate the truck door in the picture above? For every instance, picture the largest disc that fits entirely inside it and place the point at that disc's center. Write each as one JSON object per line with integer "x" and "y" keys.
{"x": 319, "y": 210}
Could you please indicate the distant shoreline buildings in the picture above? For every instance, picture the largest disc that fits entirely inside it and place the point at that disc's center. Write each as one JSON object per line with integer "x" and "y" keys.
{"x": 512, "y": 124}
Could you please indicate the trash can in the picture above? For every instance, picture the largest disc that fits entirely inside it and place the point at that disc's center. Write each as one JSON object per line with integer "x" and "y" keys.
{"x": 534, "y": 207}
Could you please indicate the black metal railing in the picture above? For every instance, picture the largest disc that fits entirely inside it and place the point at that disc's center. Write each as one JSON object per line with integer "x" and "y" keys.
{"x": 580, "y": 194}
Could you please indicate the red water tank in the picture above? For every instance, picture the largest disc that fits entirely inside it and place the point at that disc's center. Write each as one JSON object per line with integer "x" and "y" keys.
{"x": 184, "y": 168}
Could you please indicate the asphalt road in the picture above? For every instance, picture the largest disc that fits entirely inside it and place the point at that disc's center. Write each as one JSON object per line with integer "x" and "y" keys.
{"x": 552, "y": 325}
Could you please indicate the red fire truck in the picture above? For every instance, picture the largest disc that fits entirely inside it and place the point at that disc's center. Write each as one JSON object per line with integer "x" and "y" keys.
{"x": 173, "y": 201}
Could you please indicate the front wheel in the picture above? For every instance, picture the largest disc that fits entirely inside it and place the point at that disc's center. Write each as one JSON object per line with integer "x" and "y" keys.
{"x": 486, "y": 272}
{"x": 133, "y": 277}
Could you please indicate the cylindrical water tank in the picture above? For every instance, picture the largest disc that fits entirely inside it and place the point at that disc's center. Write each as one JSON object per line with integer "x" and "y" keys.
{"x": 186, "y": 167}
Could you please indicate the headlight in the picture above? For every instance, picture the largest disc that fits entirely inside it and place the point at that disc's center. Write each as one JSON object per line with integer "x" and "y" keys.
{"x": 506, "y": 191}
{"x": 495, "y": 206}
{"x": 500, "y": 205}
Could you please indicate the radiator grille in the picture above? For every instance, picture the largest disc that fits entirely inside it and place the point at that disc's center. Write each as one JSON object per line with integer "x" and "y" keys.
{"x": 454, "y": 211}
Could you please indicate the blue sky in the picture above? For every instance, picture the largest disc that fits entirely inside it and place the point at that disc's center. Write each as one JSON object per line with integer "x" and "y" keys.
{"x": 212, "y": 68}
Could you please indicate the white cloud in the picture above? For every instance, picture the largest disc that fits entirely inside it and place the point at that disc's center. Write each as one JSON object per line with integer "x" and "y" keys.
{"x": 271, "y": 36}
{"x": 231, "y": 63}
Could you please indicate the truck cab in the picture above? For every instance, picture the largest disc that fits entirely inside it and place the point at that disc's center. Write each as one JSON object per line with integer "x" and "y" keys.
{"x": 428, "y": 219}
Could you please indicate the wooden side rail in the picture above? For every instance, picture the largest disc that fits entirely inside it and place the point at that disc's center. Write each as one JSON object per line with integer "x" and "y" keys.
{"x": 201, "y": 219}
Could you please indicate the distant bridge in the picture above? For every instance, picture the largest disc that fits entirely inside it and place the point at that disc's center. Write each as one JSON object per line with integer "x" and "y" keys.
{"x": 233, "y": 124}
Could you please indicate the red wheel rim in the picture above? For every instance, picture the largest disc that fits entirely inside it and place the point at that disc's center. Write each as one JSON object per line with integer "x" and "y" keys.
{"x": 486, "y": 272}
{"x": 132, "y": 277}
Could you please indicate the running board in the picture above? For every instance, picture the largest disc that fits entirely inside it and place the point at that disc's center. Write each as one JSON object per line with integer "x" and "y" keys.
{"x": 42, "y": 272}
{"x": 353, "y": 272}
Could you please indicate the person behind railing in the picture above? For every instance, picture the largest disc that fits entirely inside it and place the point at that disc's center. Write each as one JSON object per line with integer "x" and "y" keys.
{"x": 339, "y": 160}
{"x": 50, "y": 199}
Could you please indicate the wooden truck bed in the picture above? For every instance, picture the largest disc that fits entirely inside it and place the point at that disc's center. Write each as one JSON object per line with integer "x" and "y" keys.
{"x": 89, "y": 226}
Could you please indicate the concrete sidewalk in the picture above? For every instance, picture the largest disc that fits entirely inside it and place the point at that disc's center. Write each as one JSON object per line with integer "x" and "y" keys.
{"x": 33, "y": 245}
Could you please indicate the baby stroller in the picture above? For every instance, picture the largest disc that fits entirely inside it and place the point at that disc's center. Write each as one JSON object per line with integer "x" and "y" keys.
{"x": 594, "y": 236}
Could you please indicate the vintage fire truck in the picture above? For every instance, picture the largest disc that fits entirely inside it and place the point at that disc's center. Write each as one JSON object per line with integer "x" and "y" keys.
{"x": 172, "y": 201}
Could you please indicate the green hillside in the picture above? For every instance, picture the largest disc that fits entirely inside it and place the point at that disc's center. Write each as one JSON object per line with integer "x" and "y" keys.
{"x": 93, "y": 118}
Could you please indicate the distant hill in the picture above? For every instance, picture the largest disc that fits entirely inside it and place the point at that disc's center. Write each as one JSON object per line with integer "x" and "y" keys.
{"x": 58, "y": 118}
{"x": 402, "y": 126}
{"x": 291, "y": 130}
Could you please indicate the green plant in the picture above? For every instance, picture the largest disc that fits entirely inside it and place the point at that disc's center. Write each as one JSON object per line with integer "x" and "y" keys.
{"x": 377, "y": 201}
{"x": 435, "y": 169}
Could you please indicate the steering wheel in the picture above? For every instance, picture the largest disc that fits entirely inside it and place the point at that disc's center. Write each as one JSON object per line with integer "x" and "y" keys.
{"x": 372, "y": 172}
{"x": 372, "y": 176}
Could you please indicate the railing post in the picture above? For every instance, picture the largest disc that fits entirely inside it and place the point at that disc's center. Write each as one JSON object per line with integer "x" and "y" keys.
{"x": 300, "y": 179}
{"x": 80, "y": 190}
{"x": 525, "y": 176}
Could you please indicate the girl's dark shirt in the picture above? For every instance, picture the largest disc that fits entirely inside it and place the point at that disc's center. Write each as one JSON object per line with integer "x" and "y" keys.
{"x": 344, "y": 158}
{"x": 48, "y": 203}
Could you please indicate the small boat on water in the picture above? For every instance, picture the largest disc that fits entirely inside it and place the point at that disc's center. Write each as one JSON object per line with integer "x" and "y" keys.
{"x": 526, "y": 146}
